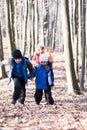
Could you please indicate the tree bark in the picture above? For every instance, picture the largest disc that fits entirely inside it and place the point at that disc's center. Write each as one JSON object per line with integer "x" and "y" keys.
{"x": 73, "y": 87}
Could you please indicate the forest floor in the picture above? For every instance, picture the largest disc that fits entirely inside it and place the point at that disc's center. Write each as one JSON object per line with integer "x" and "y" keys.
{"x": 68, "y": 112}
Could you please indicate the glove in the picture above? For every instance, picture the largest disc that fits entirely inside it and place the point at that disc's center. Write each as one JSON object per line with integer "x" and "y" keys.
{"x": 49, "y": 78}
{"x": 1, "y": 64}
{"x": 9, "y": 81}
{"x": 26, "y": 84}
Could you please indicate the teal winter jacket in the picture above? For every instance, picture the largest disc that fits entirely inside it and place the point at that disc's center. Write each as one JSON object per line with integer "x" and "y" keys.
{"x": 20, "y": 70}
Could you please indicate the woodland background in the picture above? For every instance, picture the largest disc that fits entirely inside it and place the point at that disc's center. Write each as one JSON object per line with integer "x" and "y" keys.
{"x": 60, "y": 24}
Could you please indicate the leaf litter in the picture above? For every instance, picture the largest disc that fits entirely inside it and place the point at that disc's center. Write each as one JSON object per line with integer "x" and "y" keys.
{"x": 68, "y": 112}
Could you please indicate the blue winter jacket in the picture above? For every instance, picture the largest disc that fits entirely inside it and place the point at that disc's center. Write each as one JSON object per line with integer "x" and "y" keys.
{"x": 18, "y": 70}
{"x": 41, "y": 77}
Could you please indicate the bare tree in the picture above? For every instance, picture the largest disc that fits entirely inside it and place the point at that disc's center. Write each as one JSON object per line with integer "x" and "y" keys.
{"x": 83, "y": 45}
{"x": 10, "y": 26}
{"x": 2, "y": 70}
{"x": 70, "y": 71}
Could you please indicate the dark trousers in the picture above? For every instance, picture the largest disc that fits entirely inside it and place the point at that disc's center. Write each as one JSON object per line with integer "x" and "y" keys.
{"x": 48, "y": 96}
{"x": 19, "y": 90}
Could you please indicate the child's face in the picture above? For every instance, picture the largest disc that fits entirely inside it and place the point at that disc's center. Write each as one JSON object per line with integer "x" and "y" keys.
{"x": 43, "y": 63}
{"x": 18, "y": 60}
{"x": 42, "y": 50}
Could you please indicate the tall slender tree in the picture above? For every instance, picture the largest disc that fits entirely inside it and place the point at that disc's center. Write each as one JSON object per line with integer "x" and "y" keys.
{"x": 10, "y": 22}
{"x": 2, "y": 70}
{"x": 83, "y": 45}
{"x": 70, "y": 71}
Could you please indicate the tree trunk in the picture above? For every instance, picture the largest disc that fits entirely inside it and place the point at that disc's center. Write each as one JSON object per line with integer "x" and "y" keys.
{"x": 83, "y": 46}
{"x": 70, "y": 71}
{"x": 10, "y": 19}
{"x": 2, "y": 70}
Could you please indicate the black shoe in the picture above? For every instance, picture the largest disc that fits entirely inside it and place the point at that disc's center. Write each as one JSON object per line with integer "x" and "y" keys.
{"x": 37, "y": 103}
{"x": 13, "y": 102}
{"x": 22, "y": 103}
{"x": 51, "y": 102}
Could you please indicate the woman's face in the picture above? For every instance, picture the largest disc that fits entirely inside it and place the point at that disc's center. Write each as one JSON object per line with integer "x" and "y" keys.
{"x": 18, "y": 60}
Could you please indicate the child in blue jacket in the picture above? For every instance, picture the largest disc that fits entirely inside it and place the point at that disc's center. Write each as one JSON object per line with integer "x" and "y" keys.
{"x": 19, "y": 69}
{"x": 43, "y": 81}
